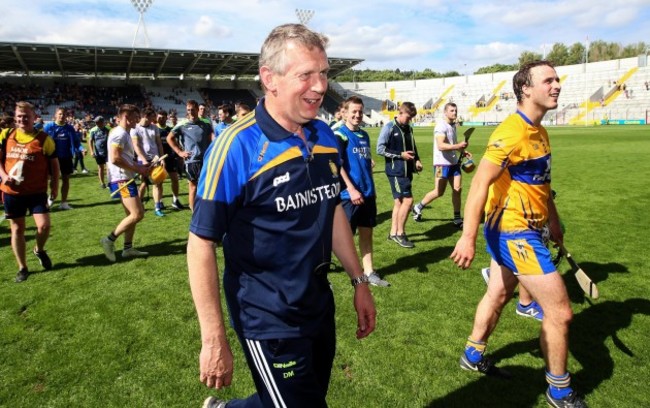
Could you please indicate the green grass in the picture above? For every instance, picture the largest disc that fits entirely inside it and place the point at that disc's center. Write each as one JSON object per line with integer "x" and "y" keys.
{"x": 90, "y": 333}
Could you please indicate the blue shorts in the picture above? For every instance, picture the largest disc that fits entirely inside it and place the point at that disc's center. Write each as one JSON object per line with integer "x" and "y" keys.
{"x": 364, "y": 215}
{"x": 129, "y": 191}
{"x": 16, "y": 206}
{"x": 446, "y": 171}
{"x": 523, "y": 253}
{"x": 400, "y": 186}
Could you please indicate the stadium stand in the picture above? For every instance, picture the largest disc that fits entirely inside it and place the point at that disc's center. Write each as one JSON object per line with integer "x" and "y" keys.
{"x": 608, "y": 91}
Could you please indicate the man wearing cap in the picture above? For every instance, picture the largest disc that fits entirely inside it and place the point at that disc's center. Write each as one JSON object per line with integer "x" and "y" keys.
{"x": 98, "y": 147}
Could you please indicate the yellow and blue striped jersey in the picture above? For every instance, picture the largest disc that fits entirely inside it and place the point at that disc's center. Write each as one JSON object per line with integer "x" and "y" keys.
{"x": 518, "y": 200}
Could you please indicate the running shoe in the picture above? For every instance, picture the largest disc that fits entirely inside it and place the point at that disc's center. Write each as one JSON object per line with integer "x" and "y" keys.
{"x": 533, "y": 310}
{"x": 44, "y": 260}
{"x": 570, "y": 401}
{"x": 485, "y": 366}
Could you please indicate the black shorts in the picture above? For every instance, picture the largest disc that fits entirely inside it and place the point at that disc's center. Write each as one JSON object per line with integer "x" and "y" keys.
{"x": 172, "y": 162}
{"x": 193, "y": 171}
{"x": 16, "y": 206}
{"x": 364, "y": 215}
{"x": 65, "y": 165}
{"x": 400, "y": 186}
{"x": 100, "y": 160}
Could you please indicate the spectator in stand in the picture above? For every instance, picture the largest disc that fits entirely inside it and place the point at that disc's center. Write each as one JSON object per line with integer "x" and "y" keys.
{"x": 67, "y": 145}
{"x": 172, "y": 161}
{"x": 226, "y": 112}
{"x": 27, "y": 161}
{"x": 98, "y": 147}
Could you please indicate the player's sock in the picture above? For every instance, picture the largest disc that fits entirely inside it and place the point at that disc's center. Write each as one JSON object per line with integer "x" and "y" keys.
{"x": 112, "y": 237}
{"x": 474, "y": 350}
{"x": 457, "y": 215}
{"x": 559, "y": 386}
{"x": 420, "y": 206}
{"x": 158, "y": 206}
{"x": 128, "y": 245}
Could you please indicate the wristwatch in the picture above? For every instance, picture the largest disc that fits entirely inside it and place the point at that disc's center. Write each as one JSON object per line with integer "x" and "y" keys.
{"x": 359, "y": 280}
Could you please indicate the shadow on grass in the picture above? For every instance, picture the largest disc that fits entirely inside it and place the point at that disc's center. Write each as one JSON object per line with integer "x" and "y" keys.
{"x": 418, "y": 261}
{"x": 162, "y": 249}
{"x": 590, "y": 332}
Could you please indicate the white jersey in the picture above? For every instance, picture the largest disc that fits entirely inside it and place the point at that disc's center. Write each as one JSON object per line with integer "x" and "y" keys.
{"x": 444, "y": 157}
{"x": 120, "y": 137}
{"x": 147, "y": 138}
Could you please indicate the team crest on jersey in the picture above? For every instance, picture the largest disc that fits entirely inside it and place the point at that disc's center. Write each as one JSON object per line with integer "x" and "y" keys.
{"x": 334, "y": 169}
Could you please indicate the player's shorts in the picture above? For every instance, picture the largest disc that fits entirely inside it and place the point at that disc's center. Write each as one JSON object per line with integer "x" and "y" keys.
{"x": 193, "y": 171}
{"x": 400, "y": 186}
{"x": 16, "y": 206}
{"x": 100, "y": 159}
{"x": 65, "y": 165}
{"x": 171, "y": 161}
{"x": 364, "y": 215}
{"x": 524, "y": 253}
{"x": 129, "y": 191}
{"x": 446, "y": 171}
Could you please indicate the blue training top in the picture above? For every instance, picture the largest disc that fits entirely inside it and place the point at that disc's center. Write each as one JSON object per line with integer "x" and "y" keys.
{"x": 358, "y": 160}
{"x": 65, "y": 138}
{"x": 270, "y": 200}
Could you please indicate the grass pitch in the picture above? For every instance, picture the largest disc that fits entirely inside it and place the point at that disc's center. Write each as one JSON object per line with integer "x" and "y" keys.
{"x": 91, "y": 333}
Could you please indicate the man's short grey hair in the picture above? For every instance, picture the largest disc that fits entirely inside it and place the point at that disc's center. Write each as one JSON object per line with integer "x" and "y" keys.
{"x": 273, "y": 50}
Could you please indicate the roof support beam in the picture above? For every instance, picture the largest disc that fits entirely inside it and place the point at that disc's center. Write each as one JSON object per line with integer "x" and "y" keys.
{"x": 58, "y": 60}
{"x": 218, "y": 69}
{"x": 161, "y": 65}
{"x": 20, "y": 60}
{"x": 190, "y": 67}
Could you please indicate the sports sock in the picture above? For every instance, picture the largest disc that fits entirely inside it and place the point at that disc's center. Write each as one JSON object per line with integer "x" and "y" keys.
{"x": 128, "y": 245}
{"x": 158, "y": 205}
{"x": 112, "y": 236}
{"x": 474, "y": 350}
{"x": 456, "y": 215}
{"x": 420, "y": 206}
{"x": 560, "y": 386}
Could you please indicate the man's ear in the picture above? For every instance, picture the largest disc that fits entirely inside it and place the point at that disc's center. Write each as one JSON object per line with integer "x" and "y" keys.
{"x": 267, "y": 77}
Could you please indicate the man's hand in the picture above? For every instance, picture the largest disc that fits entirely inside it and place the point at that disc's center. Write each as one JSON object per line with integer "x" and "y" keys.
{"x": 418, "y": 166}
{"x": 216, "y": 365}
{"x": 355, "y": 196}
{"x": 366, "y": 313}
{"x": 464, "y": 252}
{"x": 185, "y": 155}
{"x": 408, "y": 155}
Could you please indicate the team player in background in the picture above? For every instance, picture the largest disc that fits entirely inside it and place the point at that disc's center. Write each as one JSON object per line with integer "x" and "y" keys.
{"x": 196, "y": 136}
{"x": 27, "y": 162}
{"x": 122, "y": 169}
{"x": 446, "y": 164}
{"x": 397, "y": 144}
{"x": 359, "y": 199}
{"x": 277, "y": 247}
{"x": 67, "y": 146}
{"x": 226, "y": 113}
{"x": 513, "y": 187}
{"x": 171, "y": 161}
{"x": 98, "y": 147}
{"x": 148, "y": 146}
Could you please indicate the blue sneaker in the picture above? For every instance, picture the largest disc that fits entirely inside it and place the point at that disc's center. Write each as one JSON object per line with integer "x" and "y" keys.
{"x": 533, "y": 310}
{"x": 159, "y": 213}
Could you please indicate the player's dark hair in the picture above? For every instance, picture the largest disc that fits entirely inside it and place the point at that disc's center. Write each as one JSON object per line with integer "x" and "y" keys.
{"x": 228, "y": 108}
{"x": 448, "y": 104}
{"x": 127, "y": 108}
{"x": 353, "y": 99}
{"x": 408, "y": 107}
{"x": 193, "y": 103}
{"x": 524, "y": 78}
